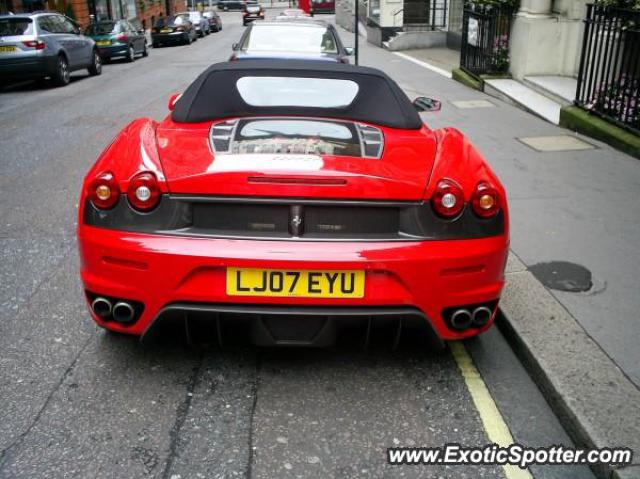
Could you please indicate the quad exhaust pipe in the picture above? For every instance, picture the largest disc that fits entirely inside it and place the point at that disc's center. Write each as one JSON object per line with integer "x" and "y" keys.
{"x": 466, "y": 318}
{"x": 481, "y": 316}
{"x": 461, "y": 319}
{"x": 123, "y": 312}
{"x": 102, "y": 307}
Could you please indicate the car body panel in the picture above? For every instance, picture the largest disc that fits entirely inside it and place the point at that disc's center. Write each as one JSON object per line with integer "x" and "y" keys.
{"x": 108, "y": 43}
{"x": 60, "y": 37}
{"x": 160, "y": 269}
{"x": 190, "y": 167}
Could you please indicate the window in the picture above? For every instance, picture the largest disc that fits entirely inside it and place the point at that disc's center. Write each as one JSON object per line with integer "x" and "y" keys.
{"x": 296, "y": 136}
{"x": 103, "y": 28}
{"x": 296, "y": 91}
{"x": 63, "y": 24}
{"x": 46, "y": 24}
{"x": 290, "y": 38}
{"x": 15, "y": 26}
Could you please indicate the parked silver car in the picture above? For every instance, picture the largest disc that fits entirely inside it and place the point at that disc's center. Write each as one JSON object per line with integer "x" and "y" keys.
{"x": 200, "y": 23}
{"x": 44, "y": 45}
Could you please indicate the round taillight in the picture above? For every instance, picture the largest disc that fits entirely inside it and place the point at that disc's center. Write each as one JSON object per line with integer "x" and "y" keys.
{"x": 103, "y": 191}
{"x": 143, "y": 192}
{"x": 485, "y": 200}
{"x": 448, "y": 199}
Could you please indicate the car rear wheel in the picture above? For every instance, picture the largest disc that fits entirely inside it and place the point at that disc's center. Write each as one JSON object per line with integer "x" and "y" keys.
{"x": 62, "y": 76}
{"x": 187, "y": 40}
{"x": 96, "y": 64}
{"x": 145, "y": 52}
{"x": 131, "y": 54}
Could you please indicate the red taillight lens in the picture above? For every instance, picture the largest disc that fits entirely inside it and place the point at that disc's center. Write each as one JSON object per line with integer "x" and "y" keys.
{"x": 448, "y": 199}
{"x": 485, "y": 200}
{"x": 37, "y": 44}
{"x": 103, "y": 191}
{"x": 122, "y": 38}
{"x": 143, "y": 192}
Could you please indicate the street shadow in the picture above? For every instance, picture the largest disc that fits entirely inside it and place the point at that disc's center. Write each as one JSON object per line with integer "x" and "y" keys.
{"x": 27, "y": 86}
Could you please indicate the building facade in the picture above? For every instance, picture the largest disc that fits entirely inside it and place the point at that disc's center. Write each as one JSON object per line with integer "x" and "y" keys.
{"x": 85, "y": 11}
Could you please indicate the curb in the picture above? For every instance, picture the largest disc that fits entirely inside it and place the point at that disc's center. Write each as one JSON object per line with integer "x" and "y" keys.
{"x": 577, "y": 119}
{"x": 593, "y": 399}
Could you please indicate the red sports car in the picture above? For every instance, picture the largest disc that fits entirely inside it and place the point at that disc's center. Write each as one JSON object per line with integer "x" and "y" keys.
{"x": 293, "y": 200}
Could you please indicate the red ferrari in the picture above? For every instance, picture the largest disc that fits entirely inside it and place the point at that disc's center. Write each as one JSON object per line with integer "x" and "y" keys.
{"x": 293, "y": 201}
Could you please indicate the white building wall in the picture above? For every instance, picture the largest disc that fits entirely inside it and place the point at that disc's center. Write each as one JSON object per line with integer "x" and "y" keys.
{"x": 546, "y": 38}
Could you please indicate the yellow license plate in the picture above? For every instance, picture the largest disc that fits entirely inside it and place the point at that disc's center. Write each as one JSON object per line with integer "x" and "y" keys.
{"x": 7, "y": 48}
{"x": 166, "y": 30}
{"x": 103, "y": 43}
{"x": 295, "y": 283}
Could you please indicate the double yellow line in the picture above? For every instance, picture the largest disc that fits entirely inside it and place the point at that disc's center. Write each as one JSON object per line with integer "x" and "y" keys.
{"x": 492, "y": 421}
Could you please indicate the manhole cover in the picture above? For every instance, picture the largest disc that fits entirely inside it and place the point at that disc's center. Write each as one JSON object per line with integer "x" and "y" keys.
{"x": 563, "y": 276}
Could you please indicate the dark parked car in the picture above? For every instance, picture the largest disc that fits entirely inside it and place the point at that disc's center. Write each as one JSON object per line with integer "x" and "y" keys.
{"x": 231, "y": 5}
{"x": 173, "y": 29}
{"x": 252, "y": 11}
{"x": 294, "y": 39}
{"x": 215, "y": 22}
{"x": 41, "y": 45}
{"x": 118, "y": 39}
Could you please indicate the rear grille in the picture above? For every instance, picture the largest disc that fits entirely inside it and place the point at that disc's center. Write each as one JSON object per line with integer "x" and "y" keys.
{"x": 229, "y": 325}
{"x": 297, "y": 221}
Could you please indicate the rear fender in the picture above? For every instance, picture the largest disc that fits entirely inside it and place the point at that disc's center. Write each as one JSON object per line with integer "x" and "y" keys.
{"x": 457, "y": 159}
{"x": 132, "y": 151}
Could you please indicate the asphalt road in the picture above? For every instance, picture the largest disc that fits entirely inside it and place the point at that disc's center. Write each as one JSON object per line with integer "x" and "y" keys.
{"x": 76, "y": 402}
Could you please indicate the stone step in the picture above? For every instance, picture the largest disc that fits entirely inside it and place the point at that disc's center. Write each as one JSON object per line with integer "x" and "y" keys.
{"x": 560, "y": 89}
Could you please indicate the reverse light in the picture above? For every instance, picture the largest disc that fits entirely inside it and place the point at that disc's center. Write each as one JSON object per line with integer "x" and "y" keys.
{"x": 103, "y": 191}
{"x": 143, "y": 192}
{"x": 37, "y": 44}
{"x": 485, "y": 200}
{"x": 448, "y": 199}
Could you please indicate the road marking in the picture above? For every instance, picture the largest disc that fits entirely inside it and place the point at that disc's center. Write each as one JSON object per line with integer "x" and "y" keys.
{"x": 493, "y": 422}
{"x": 426, "y": 65}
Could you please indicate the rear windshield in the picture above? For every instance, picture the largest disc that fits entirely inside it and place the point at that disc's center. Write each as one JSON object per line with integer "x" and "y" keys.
{"x": 103, "y": 28}
{"x": 166, "y": 21}
{"x": 267, "y": 91}
{"x": 290, "y": 38}
{"x": 15, "y": 26}
{"x": 296, "y": 136}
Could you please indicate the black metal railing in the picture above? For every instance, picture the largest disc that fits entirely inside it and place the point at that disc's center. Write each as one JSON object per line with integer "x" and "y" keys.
{"x": 609, "y": 75}
{"x": 485, "y": 39}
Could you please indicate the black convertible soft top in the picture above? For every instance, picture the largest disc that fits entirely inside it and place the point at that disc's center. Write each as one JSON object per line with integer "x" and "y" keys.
{"x": 214, "y": 94}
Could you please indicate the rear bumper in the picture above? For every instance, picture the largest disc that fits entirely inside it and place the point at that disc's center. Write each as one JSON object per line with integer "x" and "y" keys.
{"x": 169, "y": 37}
{"x": 159, "y": 271}
{"x": 113, "y": 50}
{"x": 296, "y": 326}
{"x": 25, "y": 68}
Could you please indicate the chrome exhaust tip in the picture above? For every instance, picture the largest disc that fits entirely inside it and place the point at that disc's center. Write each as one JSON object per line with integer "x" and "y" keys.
{"x": 461, "y": 319}
{"x": 101, "y": 307}
{"x": 481, "y": 316}
{"x": 123, "y": 312}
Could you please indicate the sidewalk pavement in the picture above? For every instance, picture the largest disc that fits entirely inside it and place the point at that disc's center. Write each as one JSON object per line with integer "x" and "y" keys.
{"x": 571, "y": 199}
